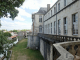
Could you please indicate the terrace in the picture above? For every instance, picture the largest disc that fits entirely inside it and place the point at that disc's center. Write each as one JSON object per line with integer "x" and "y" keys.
{"x": 64, "y": 47}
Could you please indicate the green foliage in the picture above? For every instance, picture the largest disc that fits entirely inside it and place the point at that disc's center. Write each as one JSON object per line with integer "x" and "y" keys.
{"x": 2, "y": 41}
{"x": 20, "y": 50}
{"x": 24, "y": 30}
{"x": 7, "y": 34}
{"x": 14, "y": 30}
{"x": 9, "y": 7}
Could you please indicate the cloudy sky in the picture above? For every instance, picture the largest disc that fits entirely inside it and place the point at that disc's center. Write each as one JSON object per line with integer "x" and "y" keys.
{"x": 23, "y": 20}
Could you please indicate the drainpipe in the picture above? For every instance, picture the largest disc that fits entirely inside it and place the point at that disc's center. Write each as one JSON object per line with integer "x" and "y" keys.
{"x": 56, "y": 18}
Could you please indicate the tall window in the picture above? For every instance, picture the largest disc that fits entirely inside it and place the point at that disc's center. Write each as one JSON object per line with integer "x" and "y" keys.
{"x": 54, "y": 27}
{"x": 51, "y": 12}
{"x": 64, "y": 2}
{"x": 40, "y": 18}
{"x": 40, "y": 29}
{"x": 54, "y": 10}
{"x": 51, "y": 28}
{"x": 58, "y": 6}
{"x": 75, "y": 23}
{"x": 65, "y": 25}
{"x": 48, "y": 28}
{"x": 59, "y": 29}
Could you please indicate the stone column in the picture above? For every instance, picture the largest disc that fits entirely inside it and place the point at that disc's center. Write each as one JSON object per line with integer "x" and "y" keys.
{"x": 51, "y": 51}
{"x": 73, "y": 51}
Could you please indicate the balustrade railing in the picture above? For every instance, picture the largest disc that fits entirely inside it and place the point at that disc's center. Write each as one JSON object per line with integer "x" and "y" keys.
{"x": 58, "y": 38}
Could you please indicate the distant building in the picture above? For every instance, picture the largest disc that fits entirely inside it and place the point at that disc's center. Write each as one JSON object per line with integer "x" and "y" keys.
{"x": 37, "y": 27}
{"x": 20, "y": 35}
{"x": 37, "y": 21}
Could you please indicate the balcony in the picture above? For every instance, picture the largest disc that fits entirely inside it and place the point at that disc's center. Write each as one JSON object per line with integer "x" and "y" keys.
{"x": 64, "y": 47}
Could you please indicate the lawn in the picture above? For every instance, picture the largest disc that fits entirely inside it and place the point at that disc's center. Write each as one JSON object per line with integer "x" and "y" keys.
{"x": 19, "y": 52}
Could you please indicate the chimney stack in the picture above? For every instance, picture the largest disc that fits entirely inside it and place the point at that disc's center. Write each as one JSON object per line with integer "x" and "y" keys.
{"x": 48, "y": 7}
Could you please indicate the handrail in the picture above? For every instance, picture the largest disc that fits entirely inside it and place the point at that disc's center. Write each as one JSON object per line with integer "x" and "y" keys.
{"x": 58, "y": 38}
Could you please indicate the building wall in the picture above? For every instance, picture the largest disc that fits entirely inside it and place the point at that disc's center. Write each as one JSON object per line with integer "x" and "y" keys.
{"x": 68, "y": 12}
{"x": 42, "y": 47}
{"x": 37, "y": 24}
{"x": 33, "y": 42}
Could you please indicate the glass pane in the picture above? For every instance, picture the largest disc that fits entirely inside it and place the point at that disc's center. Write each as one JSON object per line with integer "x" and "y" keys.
{"x": 76, "y": 17}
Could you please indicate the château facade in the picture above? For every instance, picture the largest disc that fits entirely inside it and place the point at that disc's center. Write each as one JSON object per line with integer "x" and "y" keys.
{"x": 57, "y": 30}
{"x": 63, "y": 18}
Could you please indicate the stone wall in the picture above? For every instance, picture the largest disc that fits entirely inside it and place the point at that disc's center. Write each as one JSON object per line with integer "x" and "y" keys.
{"x": 33, "y": 42}
{"x": 46, "y": 49}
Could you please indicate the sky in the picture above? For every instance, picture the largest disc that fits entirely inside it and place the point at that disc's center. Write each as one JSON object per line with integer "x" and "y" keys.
{"x": 23, "y": 20}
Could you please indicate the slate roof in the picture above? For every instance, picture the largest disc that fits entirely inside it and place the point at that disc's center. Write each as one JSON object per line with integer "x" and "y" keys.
{"x": 42, "y": 10}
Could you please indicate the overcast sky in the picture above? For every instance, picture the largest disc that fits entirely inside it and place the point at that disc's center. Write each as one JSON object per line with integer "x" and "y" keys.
{"x": 23, "y": 20}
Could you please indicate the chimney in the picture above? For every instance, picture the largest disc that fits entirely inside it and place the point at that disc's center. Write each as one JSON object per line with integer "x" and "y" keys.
{"x": 48, "y": 7}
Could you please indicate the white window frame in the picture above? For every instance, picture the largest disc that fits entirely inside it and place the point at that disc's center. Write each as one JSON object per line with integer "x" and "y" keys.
{"x": 51, "y": 28}
{"x": 40, "y": 18}
{"x": 51, "y": 12}
{"x": 59, "y": 27}
{"x": 54, "y": 27}
{"x": 65, "y": 26}
{"x": 58, "y": 6}
{"x": 40, "y": 29}
{"x": 75, "y": 23}
{"x": 65, "y": 3}
{"x": 54, "y": 10}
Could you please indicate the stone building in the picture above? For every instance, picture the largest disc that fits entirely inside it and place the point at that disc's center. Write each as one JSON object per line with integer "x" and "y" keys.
{"x": 60, "y": 37}
{"x": 63, "y": 18}
{"x": 37, "y": 27}
{"x": 37, "y": 21}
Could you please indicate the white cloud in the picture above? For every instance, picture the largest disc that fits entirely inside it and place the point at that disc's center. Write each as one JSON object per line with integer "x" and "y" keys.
{"x": 22, "y": 12}
{"x": 19, "y": 18}
{"x": 20, "y": 22}
{"x": 15, "y": 25}
{"x": 36, "y": 4}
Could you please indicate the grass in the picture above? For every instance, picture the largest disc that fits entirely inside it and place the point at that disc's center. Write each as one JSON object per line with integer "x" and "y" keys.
{"x": 21, "y": 53}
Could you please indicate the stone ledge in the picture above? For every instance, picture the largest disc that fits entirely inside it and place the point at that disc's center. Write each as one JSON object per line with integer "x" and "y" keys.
{"x": 64, "y": 54}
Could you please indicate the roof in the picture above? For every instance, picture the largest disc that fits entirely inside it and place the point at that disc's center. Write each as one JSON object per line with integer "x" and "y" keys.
{"x": 42, "y": 10}
{"x": 13, "y": 36}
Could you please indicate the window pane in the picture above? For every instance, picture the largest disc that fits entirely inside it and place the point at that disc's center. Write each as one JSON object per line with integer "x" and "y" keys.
{"x": 75, "y": 23}
{"x": 64, "y": 2}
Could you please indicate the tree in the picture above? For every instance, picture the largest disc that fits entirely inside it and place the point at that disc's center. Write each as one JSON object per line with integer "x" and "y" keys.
{"x": 15, "y": 31}
{"x": 3, "y": 40}
{"x": 7, "y": 34}
{"x": 8, "y": 7}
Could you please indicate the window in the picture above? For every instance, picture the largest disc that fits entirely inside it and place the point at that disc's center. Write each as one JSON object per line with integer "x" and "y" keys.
{"x": 58, "y": 6}
{"x": 64, "y": 2}
{"x": 51, "y": 12}
{"x": 40, "y": 18}
{"x": 54, "y": 10}
{"x": 54, "y": 27}
{"x": 48, "y": 28}
{"x": 51, "y": 28}
{"x": 75, "y": 23}
{"x": 40, "y": 29}
{"x": 59, "y": 30}
{"x": 65, "y": 25}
